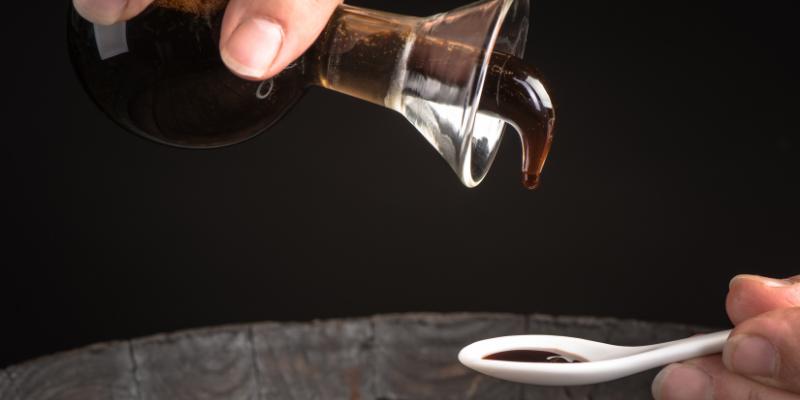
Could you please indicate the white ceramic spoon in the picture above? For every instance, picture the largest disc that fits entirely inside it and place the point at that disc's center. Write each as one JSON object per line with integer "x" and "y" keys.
{"x": 603, "y": 362}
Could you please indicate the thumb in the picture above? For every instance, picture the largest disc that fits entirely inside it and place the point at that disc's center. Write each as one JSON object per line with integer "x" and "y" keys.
{"x": 752, "y": 295}
{"x": 767, "y": 349}
{"x": 261, "y": 37}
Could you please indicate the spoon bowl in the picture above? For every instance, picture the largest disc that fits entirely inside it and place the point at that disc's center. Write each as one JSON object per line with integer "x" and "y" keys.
{"x": 600, "y": 362}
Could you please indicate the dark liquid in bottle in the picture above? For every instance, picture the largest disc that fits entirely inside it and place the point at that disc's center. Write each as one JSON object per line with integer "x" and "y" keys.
{"x": 535, "y": 356}
{"x": 160, "y": 75}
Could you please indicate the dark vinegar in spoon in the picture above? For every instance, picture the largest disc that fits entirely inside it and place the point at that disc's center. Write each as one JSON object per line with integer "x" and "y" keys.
{"x": 536, "y": 356}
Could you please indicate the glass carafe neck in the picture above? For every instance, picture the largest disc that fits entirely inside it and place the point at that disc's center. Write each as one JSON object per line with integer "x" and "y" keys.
{"x": 362, "y": 53}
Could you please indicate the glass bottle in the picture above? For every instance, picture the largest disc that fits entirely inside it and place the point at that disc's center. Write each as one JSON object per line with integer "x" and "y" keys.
{"x": 160, "y": 75}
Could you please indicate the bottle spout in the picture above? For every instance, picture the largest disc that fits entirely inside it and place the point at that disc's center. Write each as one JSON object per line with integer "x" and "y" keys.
{"x": 515, "y": 93}
{"x": 432, "y": 70}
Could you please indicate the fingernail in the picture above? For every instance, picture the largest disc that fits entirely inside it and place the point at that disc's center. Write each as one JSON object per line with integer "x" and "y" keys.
{"x": 776, "y": 283}
{"x": 750, "y": 355}
{"x": 252, "y": 47}
{"x": 682, "y": 382}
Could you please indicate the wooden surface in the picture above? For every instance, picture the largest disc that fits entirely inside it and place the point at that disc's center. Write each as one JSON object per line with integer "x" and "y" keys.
{"x": 405, "y": 356}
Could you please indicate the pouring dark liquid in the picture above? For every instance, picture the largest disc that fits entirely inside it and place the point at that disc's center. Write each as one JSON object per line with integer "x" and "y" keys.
{"x": 160, "y": 75}
{"x": 514, "y": 92}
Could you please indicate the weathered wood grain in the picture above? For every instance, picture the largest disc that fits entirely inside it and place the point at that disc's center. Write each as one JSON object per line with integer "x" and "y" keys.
{"x": 391, "y": 357}
{"x": 416, "y": 356}
{"x": 101, "y": 371}
{"x": 205, "y": 364}
{"x": 319, "y": 360}
{"x": 5, "y": 385}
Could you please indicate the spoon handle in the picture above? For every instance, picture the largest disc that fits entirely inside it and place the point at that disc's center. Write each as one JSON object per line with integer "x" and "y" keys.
{"x": 649, "y": 357}
{"x": 680, "y": 350}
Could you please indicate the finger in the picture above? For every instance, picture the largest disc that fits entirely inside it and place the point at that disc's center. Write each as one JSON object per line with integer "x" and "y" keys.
{"x": 707, "y": 378}
{"x": 261, "y": 37}
{"x": 751, "y": 295}
{"x": 767, "y": 348}
{"x": 107, "y": 12}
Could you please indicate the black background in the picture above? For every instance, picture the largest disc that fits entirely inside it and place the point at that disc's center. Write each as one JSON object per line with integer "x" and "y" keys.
{"x": 674, "y": 168}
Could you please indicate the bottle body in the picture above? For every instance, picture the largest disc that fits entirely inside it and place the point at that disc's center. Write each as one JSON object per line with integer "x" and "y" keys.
{"x": 160, "y": 75}
{"x": 360, "y": 53}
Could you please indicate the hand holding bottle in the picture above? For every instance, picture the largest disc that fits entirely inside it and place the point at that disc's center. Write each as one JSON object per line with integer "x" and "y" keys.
{"x": 259, "y": 38}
